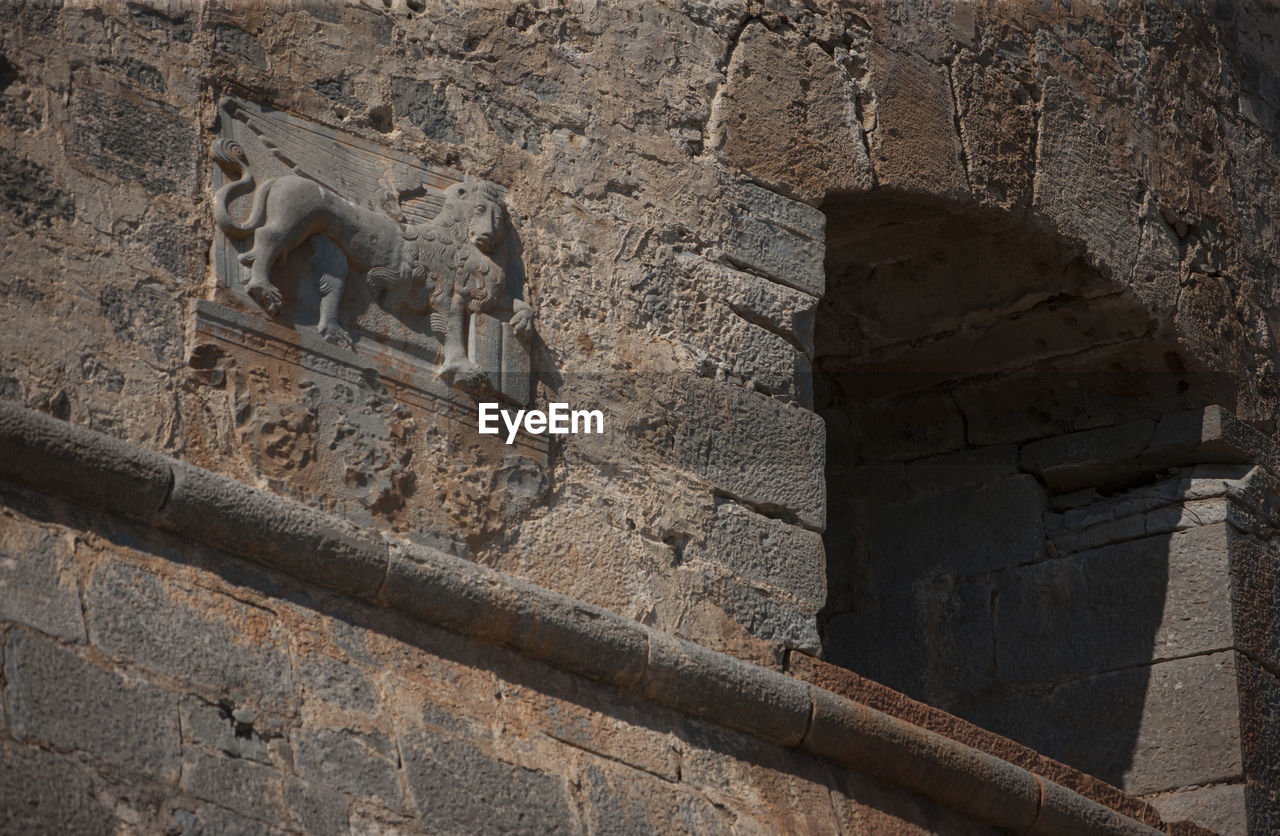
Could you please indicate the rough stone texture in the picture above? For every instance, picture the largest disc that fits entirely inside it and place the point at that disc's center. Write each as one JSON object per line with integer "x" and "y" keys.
{"x": 773, "y": 116}
{"x": 767, "y": 550}
{"x": 456, "y": 786}
{"x": 914, "y": 147}
{"x": 965, "y": 531}
{"x": 40, "y": 591}
{"x": 1219, "y": 808}
{"x": 1259, "y": 740}
{"x": 1080, "y": 184}
{"x": 56, "y": 696}
{"x": 364, "y": 765}
{"x": 45, "y": 793}
{"x": 1189, "y": 729}
{"x": 246, "y": 788}
{"x": 755, "y": 449}
{"x": 215, "y": 640}
{"x": 1071, "y": 224}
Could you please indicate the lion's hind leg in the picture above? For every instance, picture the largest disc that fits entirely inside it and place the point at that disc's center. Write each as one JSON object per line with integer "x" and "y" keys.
{"x": 331, "y": 262}
{"x": 269, "y": 243}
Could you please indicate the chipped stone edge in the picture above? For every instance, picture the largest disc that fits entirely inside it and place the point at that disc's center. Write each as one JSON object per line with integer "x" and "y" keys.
{"x": 47, "y": 454}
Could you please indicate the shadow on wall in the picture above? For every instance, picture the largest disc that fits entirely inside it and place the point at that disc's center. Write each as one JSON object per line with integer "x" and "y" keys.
{"x": 954, "y": 349}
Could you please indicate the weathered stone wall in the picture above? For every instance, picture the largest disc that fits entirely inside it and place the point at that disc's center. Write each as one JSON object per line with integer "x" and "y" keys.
{"x": 158, "y": 686}
{"x": 663, "y": 286}
{"x": 981, "y": 226}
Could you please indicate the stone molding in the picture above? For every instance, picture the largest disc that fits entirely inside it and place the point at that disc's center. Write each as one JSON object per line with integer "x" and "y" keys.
{"x": 46, "y": 454}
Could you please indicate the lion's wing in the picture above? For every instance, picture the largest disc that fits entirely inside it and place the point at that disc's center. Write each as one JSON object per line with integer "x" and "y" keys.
{"x": 352, "y": 168}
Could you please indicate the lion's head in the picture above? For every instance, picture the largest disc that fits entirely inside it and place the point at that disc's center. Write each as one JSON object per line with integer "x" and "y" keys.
{"x": 477, "y": 208}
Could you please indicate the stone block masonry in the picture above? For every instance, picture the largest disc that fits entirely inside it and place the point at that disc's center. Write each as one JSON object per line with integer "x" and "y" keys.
{"x": 1120, "y": 573}
{"x": 280, "y": 742}
{"x": 1019, "y": 220}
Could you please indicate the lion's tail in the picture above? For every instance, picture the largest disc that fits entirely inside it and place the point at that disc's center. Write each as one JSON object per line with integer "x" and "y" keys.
{"x": 228, "y": 154}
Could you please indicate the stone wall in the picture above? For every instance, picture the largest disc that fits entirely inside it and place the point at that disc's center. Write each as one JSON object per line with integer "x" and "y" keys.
{"x": 788, "y": 251}
{"x": 1000, "y": 584}
{"x": 157, "y": 686}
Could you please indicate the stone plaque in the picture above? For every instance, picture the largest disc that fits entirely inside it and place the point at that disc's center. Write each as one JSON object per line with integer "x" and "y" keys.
{"x": 364, "y": 304}
{"x": 373, "y": 252}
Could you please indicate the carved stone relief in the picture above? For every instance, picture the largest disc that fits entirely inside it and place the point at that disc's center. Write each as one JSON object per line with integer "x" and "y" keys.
{"x": 364, "y": 303}
{"x": 329, "y": 233}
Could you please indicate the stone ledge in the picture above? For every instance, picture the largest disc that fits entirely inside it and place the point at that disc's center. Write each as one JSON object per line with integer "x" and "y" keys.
{"x": 1115, "y": 456}
{"x": 46, "y": 454}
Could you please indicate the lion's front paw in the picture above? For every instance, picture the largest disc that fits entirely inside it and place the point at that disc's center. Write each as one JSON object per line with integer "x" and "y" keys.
{"x": 522, "y": 321}
{"x": 336, "y": 334}
{"x": 266, "y": 296}
{"x": 465, "y": 375}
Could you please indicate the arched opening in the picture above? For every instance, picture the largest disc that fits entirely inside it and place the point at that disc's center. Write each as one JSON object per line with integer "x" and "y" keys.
{"x": 985, "y": 392}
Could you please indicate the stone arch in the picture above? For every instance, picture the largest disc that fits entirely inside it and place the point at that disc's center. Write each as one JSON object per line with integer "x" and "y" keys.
{"x": 1023, "y": 283}
{"x": 985, "y": 389}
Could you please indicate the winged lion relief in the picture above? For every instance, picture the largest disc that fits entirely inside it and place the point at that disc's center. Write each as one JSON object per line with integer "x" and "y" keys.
{"x": 364, "y": 246}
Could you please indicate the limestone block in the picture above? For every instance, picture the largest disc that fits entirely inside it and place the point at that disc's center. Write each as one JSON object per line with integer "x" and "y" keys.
{"x": 774, "y": 236}
{"x": 1255, "y": 595}
{"x": 213, "y": 726}
{"x": 755, "y": 448}
{"x": 914, "y": 147}
{"x": 998, "y": 129}
{"x": 946, "y": 631}
{"x": 457, "y": 787}
{"x": 1080, "y": 185}
{"x": 39, "y": 586}
{"x": 198, "y": 636}
{"x": 1219, "y": 808}
{"x": 248, "y": 788}
{"x": 593, "y": 718}
{"x": 47, "y": 793}
{"x": 965, "y": 467}
{"x": 764, "y": 549}
{"x": 58, "y": 698}
{"x": 768, "y": 617}
{"x": 342, "y": 685}
{"x": 1259, "y": 730}
{"x": 957, "y": 533}
{"x": 775, "y": 307}
{"x": 1100, "y": 458}
{"x": 365, "y": 764}
{"x": 317, "y": 809}
{"x": 1154, "y": 598}
{"x": 1158, "y": 271}
{"x": 785, "y": 116}
{"x": 620, "y": 802}
{"x": 1150, "y": 728}
{"x": 198, "y": 817}
{"x": 1208, "y": 435}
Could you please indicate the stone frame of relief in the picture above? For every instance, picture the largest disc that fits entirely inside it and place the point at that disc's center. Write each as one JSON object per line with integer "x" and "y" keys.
{"x": 443, "y": 307}
{"x": 389, "y": 301}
